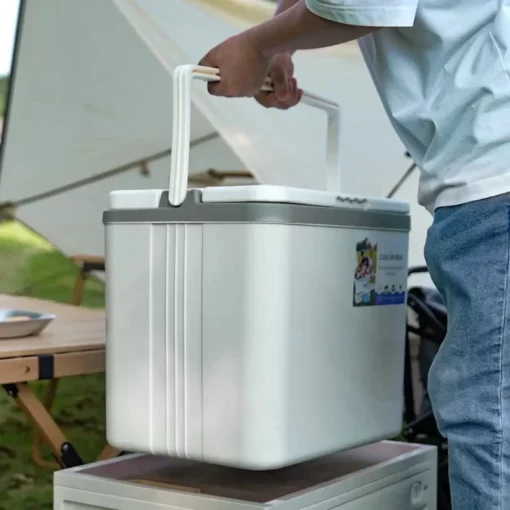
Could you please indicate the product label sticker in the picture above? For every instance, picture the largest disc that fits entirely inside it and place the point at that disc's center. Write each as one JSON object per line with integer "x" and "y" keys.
{"x": 380, "y": 275}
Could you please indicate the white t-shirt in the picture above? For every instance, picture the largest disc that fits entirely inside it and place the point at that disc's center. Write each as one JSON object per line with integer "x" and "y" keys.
{"x": 442, "y": 70}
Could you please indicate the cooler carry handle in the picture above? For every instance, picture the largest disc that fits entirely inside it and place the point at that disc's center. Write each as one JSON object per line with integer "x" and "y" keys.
{"x": 178, "y": 183}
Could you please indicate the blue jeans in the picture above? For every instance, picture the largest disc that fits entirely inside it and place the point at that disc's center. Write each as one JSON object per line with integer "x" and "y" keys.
{"x": 468, "y": 254}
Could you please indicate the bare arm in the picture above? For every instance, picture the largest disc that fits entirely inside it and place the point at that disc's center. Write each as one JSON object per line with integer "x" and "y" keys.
{"x": 245, "y": 59}
{"x": 284, "y": 5}
{"x": 296, "y": 28}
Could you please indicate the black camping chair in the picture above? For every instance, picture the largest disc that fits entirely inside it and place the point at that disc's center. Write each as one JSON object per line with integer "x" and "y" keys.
{"x": 429, "y": 325}
{"x": 427, "y": 320}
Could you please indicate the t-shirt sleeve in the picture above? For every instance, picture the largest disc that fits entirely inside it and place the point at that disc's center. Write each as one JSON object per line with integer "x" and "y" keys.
{"x": 369, "y": 13}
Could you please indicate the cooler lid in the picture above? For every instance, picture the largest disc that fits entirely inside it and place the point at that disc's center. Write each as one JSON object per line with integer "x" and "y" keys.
{"x": 289, "y": 195}
{"x": 144, "y": 199}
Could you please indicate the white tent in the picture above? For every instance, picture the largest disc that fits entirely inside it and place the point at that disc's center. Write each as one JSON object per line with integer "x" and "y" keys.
{"x": 91, "y": 111}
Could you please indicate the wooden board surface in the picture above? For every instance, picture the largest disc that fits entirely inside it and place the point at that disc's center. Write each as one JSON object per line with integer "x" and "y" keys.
{"x": 74, "y": 329}
{"x": 252, "y": 486}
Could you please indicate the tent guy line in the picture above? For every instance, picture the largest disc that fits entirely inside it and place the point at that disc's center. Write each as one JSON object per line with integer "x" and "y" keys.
{"x": 402, "y": 180}
{"x": 280, "y": 150}
{"x": 143, "y": 163}
{"x": 104, "y": 175}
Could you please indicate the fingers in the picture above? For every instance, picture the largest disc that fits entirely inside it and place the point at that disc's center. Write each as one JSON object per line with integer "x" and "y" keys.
{"x": 285, "y": 94}
{"x": 214, "y": 88}
{"x": 281, "y": 82}
{"x": 272, "y": 100}
{"x": 221, "y": 88}
{"x": 217, "y": 88}
{"x": 269, "y": 100}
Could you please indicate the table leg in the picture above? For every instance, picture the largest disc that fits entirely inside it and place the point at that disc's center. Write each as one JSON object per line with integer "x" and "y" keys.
{"x": 36, "y": 442}
{"x": 109, "y": 452}
{"x": 27, "y": 401}
{"x": 79, "y": 287}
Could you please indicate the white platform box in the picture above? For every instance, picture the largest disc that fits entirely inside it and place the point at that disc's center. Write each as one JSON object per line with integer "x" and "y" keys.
{"x": 382, "y": 476}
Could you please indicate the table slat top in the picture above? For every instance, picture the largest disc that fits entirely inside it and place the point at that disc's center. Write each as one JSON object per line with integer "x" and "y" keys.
{"x": 74, "y": 329}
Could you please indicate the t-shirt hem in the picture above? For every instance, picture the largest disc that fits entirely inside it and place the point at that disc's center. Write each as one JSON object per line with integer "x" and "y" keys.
{"x": 370, "y": 16}
{"x": 471, "y": 193}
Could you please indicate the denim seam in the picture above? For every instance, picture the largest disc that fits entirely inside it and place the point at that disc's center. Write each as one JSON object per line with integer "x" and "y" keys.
{"x": 501, "y": 350}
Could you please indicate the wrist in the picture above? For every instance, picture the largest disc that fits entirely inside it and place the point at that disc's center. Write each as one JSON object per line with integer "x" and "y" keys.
{"x": 258, "y": 40}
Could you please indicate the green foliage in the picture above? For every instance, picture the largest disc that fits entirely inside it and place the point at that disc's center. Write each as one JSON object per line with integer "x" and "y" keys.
{"x": 4, "y": 83}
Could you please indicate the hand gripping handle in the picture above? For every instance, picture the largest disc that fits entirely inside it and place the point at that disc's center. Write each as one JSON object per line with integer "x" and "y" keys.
{"x": 179, "y": 165}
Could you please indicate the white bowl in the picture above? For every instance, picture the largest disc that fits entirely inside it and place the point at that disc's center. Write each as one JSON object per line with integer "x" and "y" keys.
{"x": 30, "y": 323}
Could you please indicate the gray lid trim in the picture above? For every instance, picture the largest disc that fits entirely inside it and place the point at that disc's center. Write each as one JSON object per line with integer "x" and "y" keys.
{"x": 193, "y": 210}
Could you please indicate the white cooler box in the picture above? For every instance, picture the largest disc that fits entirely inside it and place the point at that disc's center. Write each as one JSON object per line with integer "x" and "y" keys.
{"x": 255, "y": 326}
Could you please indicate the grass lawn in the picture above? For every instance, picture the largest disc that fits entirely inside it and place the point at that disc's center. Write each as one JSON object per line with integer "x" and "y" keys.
{"x": 3, "y": 94}
{"x": 30, "y": 266}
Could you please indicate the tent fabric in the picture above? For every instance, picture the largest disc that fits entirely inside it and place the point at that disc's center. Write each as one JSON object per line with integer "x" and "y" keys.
{"x": 92, "y": 91}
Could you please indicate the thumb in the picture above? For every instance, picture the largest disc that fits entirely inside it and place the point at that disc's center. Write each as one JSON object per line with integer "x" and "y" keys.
{"x": 214, "y": 88}
{"x": 280, "y": 80}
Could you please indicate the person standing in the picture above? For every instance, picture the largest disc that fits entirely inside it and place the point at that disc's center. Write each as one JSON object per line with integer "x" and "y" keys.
{"x": 441, "y": 69}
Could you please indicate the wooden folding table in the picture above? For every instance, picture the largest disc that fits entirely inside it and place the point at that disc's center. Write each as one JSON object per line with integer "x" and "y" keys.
{"x": 72, "y": 345}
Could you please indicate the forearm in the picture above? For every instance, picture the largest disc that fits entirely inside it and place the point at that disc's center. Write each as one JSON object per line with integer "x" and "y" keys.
{"x": 284, "y": 5}
{"x": 298, "y": 29}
